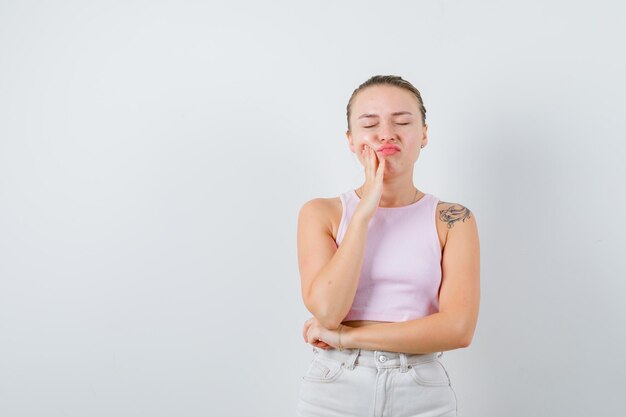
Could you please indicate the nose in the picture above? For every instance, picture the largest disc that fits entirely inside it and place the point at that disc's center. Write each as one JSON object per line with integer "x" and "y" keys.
{"x": 386, "y": 133}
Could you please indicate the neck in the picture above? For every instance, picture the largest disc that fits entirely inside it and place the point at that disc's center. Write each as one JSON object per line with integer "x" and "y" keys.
{"x": 396, "y": 197}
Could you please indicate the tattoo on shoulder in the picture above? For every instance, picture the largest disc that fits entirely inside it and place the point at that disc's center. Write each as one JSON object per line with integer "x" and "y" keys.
{"x": 454, "y": 213}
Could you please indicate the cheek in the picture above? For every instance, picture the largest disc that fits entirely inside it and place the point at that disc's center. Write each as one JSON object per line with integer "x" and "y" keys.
{"x": 413, "y": 139}
{"x": 359, "y": 144}
{"x": 413, "y": 145}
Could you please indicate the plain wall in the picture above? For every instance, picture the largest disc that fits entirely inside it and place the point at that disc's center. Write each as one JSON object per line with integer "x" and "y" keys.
{"x": 154, "y": 156}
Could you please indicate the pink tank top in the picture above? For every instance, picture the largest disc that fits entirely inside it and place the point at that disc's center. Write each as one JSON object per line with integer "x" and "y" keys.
{"x": 401, "y": 271}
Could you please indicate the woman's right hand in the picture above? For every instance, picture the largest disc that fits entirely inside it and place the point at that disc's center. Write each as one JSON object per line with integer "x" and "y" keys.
{"x": 373, "y": 188}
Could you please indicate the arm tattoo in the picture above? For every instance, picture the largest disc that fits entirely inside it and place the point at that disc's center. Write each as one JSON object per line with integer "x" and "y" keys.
{"x": 454, "y": 213}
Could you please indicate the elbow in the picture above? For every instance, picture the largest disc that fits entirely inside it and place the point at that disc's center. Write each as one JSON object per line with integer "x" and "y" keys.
{"x": 464, "y": 336}
{"x": 326, "y": 318}
{"x": 325, "y": 314}
{"x": 329, "y": 320}
{"x": 464, "y": 341}
{"x": 330, "y": 323}
{"x": 460, "y": 332}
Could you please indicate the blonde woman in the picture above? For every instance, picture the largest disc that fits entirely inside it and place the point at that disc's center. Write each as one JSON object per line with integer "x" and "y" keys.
{"x": 389, "y": 272}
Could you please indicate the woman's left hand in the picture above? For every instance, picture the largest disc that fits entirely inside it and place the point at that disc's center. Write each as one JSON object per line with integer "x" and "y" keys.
{"x": 319, "y": 336}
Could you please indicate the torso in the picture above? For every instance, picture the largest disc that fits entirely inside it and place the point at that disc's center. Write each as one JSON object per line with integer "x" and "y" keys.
{"x": 334, "y": 209}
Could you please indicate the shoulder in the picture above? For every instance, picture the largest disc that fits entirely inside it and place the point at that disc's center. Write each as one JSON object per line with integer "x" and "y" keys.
{"x": 454, "y": 214}
{"x": 319, "y": 217}
{"x": 455, "y": 221}
{"x": 320, "y": 206}
{"x": 321, "y": 210}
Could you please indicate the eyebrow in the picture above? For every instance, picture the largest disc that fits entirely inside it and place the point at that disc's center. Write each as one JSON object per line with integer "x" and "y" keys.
{"x": 398, "y": 113}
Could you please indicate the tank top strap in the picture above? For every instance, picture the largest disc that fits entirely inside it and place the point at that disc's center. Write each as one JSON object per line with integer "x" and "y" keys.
{"x": 350, "y": 198}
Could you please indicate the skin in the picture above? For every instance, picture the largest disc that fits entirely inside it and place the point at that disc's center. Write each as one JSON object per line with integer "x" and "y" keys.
{"x": 373, "y": 124}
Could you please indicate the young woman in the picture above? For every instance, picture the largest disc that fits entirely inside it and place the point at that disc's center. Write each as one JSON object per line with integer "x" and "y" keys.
{"x": 389, "y": 272}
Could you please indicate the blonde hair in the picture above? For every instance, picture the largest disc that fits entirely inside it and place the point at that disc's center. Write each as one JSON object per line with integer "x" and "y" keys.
{"x": 393, "y": 80}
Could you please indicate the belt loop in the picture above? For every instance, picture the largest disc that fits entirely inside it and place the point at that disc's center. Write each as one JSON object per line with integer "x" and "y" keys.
{"x": 403, "y": 363}
{"x": 440, "y": 354}
{"x": 352, "y": 359}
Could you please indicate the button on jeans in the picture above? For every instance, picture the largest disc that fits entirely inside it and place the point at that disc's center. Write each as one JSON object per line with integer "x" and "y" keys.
{"x": 375, "y": 383}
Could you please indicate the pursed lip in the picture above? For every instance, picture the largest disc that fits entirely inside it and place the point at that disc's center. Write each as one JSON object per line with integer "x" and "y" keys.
{"x": 389, "y": 147}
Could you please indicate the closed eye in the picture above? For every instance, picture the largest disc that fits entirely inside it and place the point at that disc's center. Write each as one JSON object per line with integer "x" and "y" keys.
{"x": 367, "y": 127}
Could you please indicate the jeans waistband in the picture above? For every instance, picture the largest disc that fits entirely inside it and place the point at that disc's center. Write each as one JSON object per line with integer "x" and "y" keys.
{"x": 376, "y": 358}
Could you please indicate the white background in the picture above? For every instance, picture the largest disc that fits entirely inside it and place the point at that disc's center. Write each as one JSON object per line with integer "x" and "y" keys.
{"x": 154, "y": 156}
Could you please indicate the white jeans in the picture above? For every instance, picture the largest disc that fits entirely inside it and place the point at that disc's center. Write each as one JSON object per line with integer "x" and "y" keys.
{"x": 375, "y": 383}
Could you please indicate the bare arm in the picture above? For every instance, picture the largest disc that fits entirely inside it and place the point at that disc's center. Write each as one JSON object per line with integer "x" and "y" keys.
{"x": 453, "y": 326}
{"x": 433, "y": 333}
{"x": 329, "y": 274}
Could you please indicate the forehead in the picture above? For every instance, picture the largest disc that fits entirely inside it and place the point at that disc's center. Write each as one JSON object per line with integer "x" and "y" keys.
{"x": 384, "y": 100}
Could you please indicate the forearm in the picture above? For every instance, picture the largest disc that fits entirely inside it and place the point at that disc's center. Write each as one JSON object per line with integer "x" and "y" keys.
{"x": 335, "y": 286}
{"x": 437, "y": 332}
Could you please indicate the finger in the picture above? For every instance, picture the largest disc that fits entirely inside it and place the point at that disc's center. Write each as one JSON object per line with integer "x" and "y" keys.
{"x": 371, "y": 162}
{"x": 306, "y": 334}
{"x": 381, "y": 169}
{"x": 305, "y": 328}
{"x": 375, "y": 159}
{"x": 320, "y": 344}
{"x": 381, "y": 165}
{"x": 365, "y": 161}
{"x": 364, "y": 154}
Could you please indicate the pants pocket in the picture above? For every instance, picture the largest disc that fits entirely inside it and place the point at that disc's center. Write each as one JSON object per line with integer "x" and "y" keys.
{"x": 323, "y": 370}
{"x": 430, "y": 374}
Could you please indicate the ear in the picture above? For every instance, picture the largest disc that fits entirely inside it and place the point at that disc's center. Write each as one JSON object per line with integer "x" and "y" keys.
{"x": 425, "y": 135}
{"x": 350, "y": 144}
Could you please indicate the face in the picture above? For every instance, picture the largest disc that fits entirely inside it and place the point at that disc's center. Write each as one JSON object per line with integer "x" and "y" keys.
{"x": 387, "y": 115}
